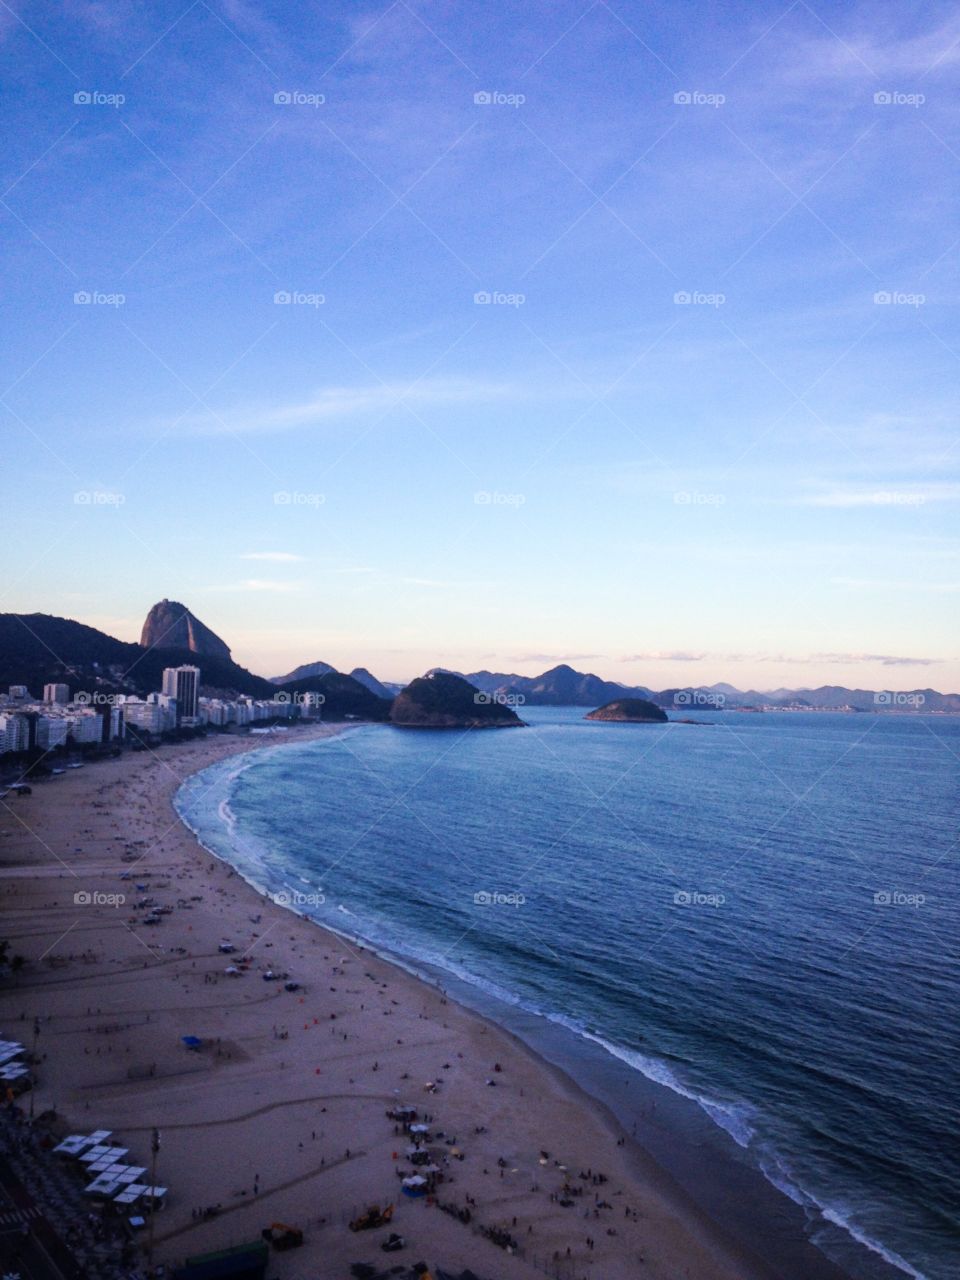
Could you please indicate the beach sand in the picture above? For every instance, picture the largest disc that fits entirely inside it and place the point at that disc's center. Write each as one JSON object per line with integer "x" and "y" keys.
{"x": 281, "y": 1115}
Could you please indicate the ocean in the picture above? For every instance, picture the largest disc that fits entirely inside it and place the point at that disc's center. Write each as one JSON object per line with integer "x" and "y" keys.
{"x": 753, "y": 919}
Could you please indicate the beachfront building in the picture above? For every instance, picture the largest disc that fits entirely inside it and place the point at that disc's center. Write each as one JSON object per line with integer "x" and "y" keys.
{"x": 85, "y": 725}
{"x": 18, "y": 693}
{"x": 116, "y": 729}
{"x": 213, "y": 711}
{"x": 183, "y": 685}
{"x": 145, "y": 713}
{"x": 221, "y": 712}
{"x": 51, "y": 731}
{"x": 14, "y": 732}
{"x": 58, "y": 694}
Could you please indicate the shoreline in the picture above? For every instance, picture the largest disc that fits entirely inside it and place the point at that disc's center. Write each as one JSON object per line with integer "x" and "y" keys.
{"x": 671, "y": 1233}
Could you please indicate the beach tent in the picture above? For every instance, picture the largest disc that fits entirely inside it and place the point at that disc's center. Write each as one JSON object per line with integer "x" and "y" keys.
{"x": 112, "y": 1154}
{"x": 127, "y": 1194}
{"x": 94, "y": 1153}
{"x": 77, "y": 1142}
{"x": 415, "y": 1186}
{"x": 71, "y": 1146}
{"x": 104, "y": 1185}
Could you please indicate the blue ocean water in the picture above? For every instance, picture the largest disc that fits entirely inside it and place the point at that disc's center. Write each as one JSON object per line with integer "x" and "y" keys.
{"x": 759, "y": 912}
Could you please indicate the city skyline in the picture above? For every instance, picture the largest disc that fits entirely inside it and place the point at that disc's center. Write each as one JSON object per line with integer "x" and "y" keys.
{"x": 389, "y": 341}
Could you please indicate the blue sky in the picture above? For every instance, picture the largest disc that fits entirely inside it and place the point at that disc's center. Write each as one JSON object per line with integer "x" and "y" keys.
{"x": 703, "y": 429}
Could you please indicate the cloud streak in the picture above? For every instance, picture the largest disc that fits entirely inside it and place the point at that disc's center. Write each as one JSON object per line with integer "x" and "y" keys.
{"x": 333, "y": 404}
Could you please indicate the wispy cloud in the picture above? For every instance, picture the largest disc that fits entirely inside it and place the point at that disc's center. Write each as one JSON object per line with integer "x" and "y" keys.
{"x": 893, "y": 496}
{"x": 844, "y": 659}
{"x": 277, "y": 557}
{"x": 885, "y": 659}
{"x": 334, "y": 403}
{"x": 258, "y": 584}
{"x": 895, "y": 584}
{"x": 553, "y": 658}
{"x": 677, "y": 655}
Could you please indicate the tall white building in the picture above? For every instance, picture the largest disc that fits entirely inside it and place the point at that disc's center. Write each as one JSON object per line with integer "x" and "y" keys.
{"x": 85, "y": 725}
{"x": 14, "y": 732}
{"x": 143, "y": 715}
{"x": 183, "y": 683}
{"x": 56, "y": 693}
{"x": 51, "y": 731}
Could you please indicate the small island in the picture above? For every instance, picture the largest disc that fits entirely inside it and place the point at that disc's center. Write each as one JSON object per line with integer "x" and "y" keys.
{"x": 445, "y": 701}
{"x": 629, "y": 711}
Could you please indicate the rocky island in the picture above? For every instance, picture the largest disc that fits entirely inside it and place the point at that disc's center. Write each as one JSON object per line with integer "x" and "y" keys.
{"x": 629, "y": 711}
{"x": 444, "y": 701}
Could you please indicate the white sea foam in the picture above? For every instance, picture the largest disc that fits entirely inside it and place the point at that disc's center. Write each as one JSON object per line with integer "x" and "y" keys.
{"x": 841, "y": 1218}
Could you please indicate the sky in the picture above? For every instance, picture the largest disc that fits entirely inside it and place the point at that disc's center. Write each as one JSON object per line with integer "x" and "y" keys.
{"x": 490, "y": 335}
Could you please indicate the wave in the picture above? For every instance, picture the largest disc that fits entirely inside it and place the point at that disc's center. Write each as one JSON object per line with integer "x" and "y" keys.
{"x": 842, "y": 1219}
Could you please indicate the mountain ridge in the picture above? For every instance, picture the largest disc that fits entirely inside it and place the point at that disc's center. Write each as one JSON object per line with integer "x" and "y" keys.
{"x": 38, "y": 648}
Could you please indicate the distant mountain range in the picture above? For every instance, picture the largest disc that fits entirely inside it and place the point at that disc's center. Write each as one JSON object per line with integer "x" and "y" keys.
{"x": 559, "y": 687}
{"x": 562, "y": 686}
{"x": 38, "y": 648}
{"x": 311, "y": 670}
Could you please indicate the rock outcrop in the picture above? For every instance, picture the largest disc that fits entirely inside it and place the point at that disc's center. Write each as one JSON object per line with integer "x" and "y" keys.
{"x": 171, "y": 625}
{"x": 445, "y": 701}
{"x": 629, "y": 711}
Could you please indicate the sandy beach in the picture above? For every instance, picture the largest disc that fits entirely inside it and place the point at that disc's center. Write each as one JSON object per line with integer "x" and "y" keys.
{"x": 281, "y": 1115}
